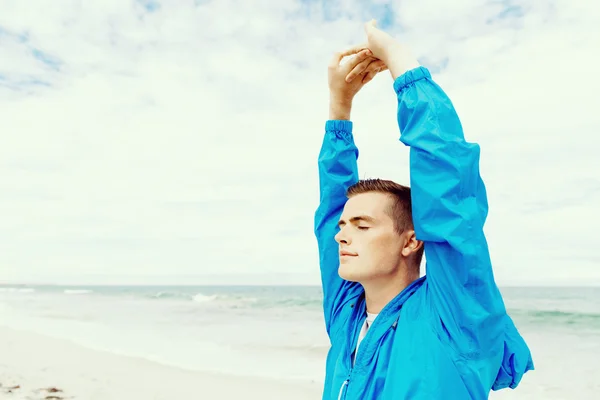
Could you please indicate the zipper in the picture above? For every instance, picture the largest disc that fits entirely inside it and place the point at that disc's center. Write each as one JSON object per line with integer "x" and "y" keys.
{"x": 352, "y": 338}
{"x": 353, "y": 335}
{"x": 344, "y": 385}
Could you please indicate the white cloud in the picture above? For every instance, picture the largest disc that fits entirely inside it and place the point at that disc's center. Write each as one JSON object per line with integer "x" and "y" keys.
{"x": 155, "y": 145}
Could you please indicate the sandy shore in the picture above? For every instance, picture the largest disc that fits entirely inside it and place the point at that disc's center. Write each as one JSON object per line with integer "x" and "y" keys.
{"x": 46, "y": 368}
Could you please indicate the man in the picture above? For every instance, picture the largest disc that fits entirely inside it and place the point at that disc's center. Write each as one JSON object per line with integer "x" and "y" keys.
{"x": 394, "y": 334}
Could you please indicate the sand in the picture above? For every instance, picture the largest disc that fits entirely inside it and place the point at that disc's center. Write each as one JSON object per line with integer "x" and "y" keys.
{"x": 34, "y": 366}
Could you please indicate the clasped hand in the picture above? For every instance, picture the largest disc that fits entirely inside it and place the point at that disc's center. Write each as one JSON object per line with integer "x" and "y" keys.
{"x": 380, "y": 53}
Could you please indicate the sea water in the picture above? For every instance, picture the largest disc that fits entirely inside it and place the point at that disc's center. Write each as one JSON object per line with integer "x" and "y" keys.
{"x": 278, "y": 331}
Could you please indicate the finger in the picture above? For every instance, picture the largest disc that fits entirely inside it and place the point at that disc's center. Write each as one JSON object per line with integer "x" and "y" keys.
{"x": 335, "y": 59}
{"x": 373, "y": 69}
{"x": 354, "y": 49}
{"x": 376, "y": 65}
{"x": 337, "y": 56}
{"x": 371, "y": 64}
{"x": 369, "y": 76}
{"x": 354, "y": 61}
{"x": 358, "y": 69}
{"x": 371, "y": 24}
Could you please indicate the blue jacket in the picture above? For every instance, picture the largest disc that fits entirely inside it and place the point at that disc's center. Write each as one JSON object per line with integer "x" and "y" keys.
{"x": 447, "y": 335}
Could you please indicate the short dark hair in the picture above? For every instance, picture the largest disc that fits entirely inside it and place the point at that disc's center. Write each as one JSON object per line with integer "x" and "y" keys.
{"x": 401, "y": 207}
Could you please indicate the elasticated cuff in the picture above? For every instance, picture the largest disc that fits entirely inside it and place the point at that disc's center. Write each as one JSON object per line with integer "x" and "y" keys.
{"x": 410, "y": 77}
{"x": 340, "y": 128}
{"x": 337, "y": 125}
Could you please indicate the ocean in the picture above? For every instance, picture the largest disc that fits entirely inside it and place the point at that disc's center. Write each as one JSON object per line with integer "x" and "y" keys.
{"x": 278, "y": 331}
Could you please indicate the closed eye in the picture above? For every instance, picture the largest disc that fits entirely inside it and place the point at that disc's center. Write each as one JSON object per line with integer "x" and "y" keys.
{"x": 363, "y": 228}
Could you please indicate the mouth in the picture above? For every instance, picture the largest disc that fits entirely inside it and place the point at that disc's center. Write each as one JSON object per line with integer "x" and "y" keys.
{"x": 347, "y": 254}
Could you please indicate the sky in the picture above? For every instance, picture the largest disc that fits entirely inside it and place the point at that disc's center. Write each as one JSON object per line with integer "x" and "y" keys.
{"x": 166, "y": 142}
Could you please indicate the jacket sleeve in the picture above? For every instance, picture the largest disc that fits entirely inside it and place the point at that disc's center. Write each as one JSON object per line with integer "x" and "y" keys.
{"x": 449, "y": 210}
{"x": 338, "y": 170}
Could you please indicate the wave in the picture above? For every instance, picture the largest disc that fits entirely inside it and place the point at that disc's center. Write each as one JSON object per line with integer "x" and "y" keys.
{"x": 201, "y": 298}
{"x": 299, "y": 302}
{"x": 220, "y": 299}
{"x": 197, "y": 297}
{"x": 557, "y": 316}
{"x": 164, "y": 295}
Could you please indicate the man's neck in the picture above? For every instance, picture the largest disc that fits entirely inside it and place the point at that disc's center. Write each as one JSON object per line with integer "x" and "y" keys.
{"x": 379, "y": 293}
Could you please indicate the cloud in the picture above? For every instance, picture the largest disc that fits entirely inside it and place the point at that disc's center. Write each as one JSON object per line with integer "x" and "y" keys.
{"x": 148, "y": 140}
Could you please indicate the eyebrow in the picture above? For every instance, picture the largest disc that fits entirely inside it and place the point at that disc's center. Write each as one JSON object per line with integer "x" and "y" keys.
{"x": 365, "y": 218}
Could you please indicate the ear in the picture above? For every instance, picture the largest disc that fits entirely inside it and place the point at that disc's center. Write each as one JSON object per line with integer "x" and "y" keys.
{"x": 412, "y": 244}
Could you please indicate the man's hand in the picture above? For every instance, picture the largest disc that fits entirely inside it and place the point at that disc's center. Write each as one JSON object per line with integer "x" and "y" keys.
{"x": 395, "y": 55}
{"x": 345, "y": 80}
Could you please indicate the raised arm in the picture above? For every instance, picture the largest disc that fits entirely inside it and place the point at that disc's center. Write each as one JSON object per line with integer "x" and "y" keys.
{"x": 337, "y": 172}
{"x": 449, "y": 205}
{"x": 449, "y": 210}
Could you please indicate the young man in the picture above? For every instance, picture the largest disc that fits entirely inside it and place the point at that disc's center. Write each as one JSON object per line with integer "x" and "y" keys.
{"x": 396, "y": 335}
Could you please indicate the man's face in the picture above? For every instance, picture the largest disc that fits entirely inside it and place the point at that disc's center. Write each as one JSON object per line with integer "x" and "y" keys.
{"x": 370, "y": 247}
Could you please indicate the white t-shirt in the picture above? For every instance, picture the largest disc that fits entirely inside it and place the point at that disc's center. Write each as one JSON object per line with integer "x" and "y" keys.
{"x": 363, "y": 331}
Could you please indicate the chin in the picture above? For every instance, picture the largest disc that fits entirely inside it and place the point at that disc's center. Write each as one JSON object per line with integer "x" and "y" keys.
{"x": 349, "y": 273}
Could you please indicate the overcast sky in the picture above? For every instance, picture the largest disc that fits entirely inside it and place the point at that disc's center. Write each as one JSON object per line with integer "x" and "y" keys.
{"x": 177, "y": 141}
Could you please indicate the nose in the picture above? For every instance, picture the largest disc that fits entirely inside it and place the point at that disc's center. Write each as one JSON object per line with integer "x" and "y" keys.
{"x": 341, "y": 237}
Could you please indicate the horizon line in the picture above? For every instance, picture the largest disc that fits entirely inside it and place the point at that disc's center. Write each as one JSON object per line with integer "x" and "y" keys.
{"x": 250, "y": 284}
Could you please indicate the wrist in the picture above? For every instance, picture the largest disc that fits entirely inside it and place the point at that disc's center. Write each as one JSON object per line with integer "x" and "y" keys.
{"x": 339, "y": 109}
{"x": 399, "y": 60}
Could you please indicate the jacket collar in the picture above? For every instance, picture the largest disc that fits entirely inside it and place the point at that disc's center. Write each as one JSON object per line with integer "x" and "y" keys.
{"x": 387, "y": 319}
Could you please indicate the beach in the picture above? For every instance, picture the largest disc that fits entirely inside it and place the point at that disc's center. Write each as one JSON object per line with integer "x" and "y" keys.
{"x": 48, "y": 368}
{"x": 157, "y": 343}
{"x": 37, "y": 363}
